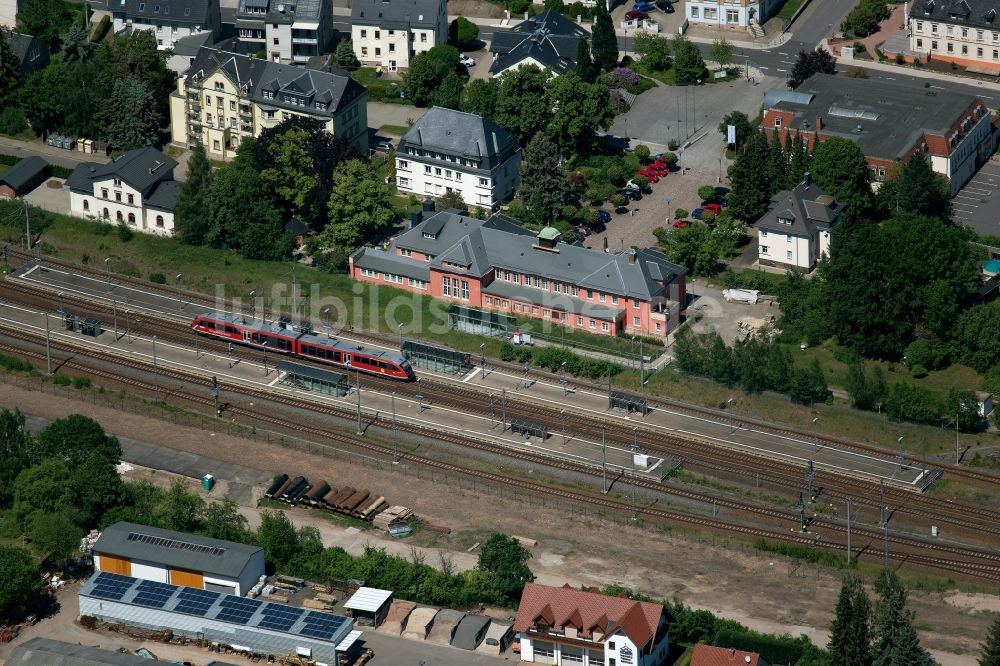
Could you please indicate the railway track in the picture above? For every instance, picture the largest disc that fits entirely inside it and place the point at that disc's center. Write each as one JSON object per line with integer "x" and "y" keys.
{"x": 976, "y": 519}
{"x": 966, "y": 561}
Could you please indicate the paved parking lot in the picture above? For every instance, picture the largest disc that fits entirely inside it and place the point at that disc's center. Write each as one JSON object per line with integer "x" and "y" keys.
{"x": 976, "y": 204}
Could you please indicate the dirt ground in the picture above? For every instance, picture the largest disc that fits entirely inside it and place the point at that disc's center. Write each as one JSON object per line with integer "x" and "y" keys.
{"x": 769, "y": 593}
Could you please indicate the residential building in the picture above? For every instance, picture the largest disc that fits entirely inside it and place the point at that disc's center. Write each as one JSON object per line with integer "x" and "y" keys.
{"x": 497, "y": 265}
{"x": 561, "y": 625}
{"x": 31, "y": 52}
{"x": 451, "y": 151}
{"x": 709, "y": 655}
{"x": 23, "y": 177}
{"x": 547, "y": 41}
{"x": 890, "y": 121}
{"x": 795, "y": 231}
{"x": 225, "y": 97}
{"x": 746, "y": 14}
{"x": 286, "y": 31}
{"x": 137, "y": 188}
{"x": 8, "y": 12}
{"x": 965, "y": 32}
{"x": 166, "y": 556}
{"x": 388, "y": 34}
{"x": 168, "y": 20}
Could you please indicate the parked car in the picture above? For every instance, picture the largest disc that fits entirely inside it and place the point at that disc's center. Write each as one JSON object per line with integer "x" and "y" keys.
{"x": 720, "y": 199}
{"x": 696, "y": 213}
{"x": 467, "y": 60}
{"x": 651, "y": 176}
{"x": 634, "y": 185}
{"x": 636, "y": 15}
{"x": 644, "y": 7}
{"x": 664, "y": 6}
{"x": 714, "y": 208}
{"x": 678, "y": 224}
{"x": 631, "y": 193}
{"x": 383, "y": 146}
{"x": 581, "y": 231}
{"x": 603, "y": 216}
{"x": 621, "y": 210}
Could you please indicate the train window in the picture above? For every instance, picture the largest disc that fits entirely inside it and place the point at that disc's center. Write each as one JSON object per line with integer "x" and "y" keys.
{"x": 231, "y": 329}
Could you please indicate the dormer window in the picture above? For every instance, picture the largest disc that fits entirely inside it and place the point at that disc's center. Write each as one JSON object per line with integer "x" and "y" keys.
{"x": 429, "y": 235}
{"x": 142, "y": 6}
{"x": 542, "y": 628}
{"x": 785, "y": 220}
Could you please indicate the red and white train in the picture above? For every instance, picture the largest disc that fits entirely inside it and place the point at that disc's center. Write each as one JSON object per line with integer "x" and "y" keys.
{"x": 304, "y": 344}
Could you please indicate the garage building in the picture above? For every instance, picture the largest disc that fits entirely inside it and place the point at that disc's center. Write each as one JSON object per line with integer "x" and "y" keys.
{"x": 23, "y": 177}
{"x": 165, "y": 556}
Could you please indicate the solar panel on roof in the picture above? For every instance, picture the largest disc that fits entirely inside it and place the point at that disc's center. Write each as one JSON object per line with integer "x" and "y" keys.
{"x": 279, "y": 618}
{"x": 195, "y": 602}
{"x": 153, "y": 594}
{"x": 111, "y": 586}
{"x": 237, "y": 610}
{"x": 321, "y": 625}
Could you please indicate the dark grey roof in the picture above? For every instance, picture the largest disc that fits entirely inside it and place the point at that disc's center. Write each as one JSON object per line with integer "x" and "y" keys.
{"x": 48, "y": 652}
{"x": 189, "y": 46}
{"x": 396, "y": 14}
{"x": 972, "y": 13}
{"x": 482, "y": 245}
{"x": 549, "y": 38}
{"x": 163, "y": 196}
{"x": 177, "y": 549}
{"x": 24, "y": 172}
{"x": 809, "y": 208}
{"x": 280, "y": 11}
{"x": 574, "y": 306}
{"x": 892, "y": 115}
{"x": 335, "y": 88}
{"x": 141, "y": 168}
{"x": 195, "y": 12}
{"x": 447, "y": 132}
{"x": 386, "y": 262}
{"x": 30, "y": 51}
{"x": 470, "y": 632}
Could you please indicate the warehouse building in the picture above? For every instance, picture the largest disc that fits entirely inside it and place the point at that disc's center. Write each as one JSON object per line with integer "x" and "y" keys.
{"x": 165, "y": 556}
{"x": 47, "y": 652}
{"x": 250, "y": 625}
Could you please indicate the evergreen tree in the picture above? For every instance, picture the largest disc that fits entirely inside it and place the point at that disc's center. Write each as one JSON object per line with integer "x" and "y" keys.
{"x": 191, "y": 217}
{"x": 777, "y": 167}
{"x": 10, "y": 72}
{"x": 604, "y": 41}
{"x": 544, "y": 186}
{"x": 840, "y": 168}
{"x": 345, "y": 55}
{"x": 749, "y": 177}
{"x": 449, "y": 92}
{"x": 896, "y": 642}
{"x": 584, "y": 63}
{"x": 991, "y": 648}
{"x": 799, "y": 163}
{"x": 76, "y": 45}
{"x": 850, "y": 634}
{"x": 915, "y": 190}
{"x": 788, "y": 149}
{"x": 131, "y": 116}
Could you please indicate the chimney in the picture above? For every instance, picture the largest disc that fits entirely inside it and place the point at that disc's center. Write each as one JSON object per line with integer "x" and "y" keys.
{"x": 416, "y": 217}
{"x": 732, "y": 652}
{"x": 428, "y": 205}
{"x": 819, "y": 123}
{"x": 807, "y": 179}
{"x": 631, "y": 255}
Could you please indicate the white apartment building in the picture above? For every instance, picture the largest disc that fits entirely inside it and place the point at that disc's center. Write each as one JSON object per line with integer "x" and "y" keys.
{"x": 795, "y": 230}
{"x": 451, "y": 151}
{"x": 286, "y": 31}
{"x": 168, "y": 20}
{"x": 966, "y": 32}
{"x": 389, "y": 34}
{"x": 730, "y": 13}
{"x": 137, "y": 188}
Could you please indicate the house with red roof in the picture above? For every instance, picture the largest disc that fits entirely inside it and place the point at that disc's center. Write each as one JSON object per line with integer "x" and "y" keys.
{"x": 561, "y": 625}
{"x": 709, "y": 655}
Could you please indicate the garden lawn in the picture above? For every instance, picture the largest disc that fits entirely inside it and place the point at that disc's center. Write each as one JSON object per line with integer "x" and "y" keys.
{"x": 396, "y": 130}
{"x": 789, "y": 8}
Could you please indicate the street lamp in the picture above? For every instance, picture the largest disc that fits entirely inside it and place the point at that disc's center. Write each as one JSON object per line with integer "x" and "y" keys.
{"x": 562, "y": 415}
{"x": 482, "y": 360}
{"x": 395, "y": 442}
{"x": 180, "y": 294}
{"x": 635, "y": 478}
{"x": 815, "y": 438}
{"x": 325, "y": 315}
{"x": 264, "y": 347}
{"x": 107, "y": 267}
{"x": 253, "y": 304}
{"x": 901, "y": 456}
{"x": 400, "y": 326}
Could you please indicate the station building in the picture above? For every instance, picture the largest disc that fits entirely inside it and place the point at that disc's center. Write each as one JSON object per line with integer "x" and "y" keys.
{"x": 500, "y": 266}
{"x": 165, "y": 556}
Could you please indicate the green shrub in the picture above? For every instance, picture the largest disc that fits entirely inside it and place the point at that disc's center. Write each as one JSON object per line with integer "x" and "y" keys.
{"x": 102, "y": 29}
{"x": 61, "y": 380}
{"x": 642, "y": 151}
{"x": 158, "y": 278}
{"x": 681, "y": 213}
{"x": 706, "y": 192}
{"x": 124, "y": 233}
{"x": 15, "y": 364}
{"x": 641, "y": 181}
{"x": 618, "y": 199}
{"x": 12, "y": 120}
{"x": 615, "y": 173}
{"x": 81, "y": 382}
{"x": 672, "y": 144}
{"x": 506, "y": 352}
{"x": 519, "y": 6}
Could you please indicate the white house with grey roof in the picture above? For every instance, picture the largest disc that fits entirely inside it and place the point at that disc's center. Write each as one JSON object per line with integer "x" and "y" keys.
{"x": 547, "y": 41}
{"x": 225, "y": 97}
{"x": 287, "y": 31}
{"x": 795, "y": 231}
{"x": 497, "y": 265}
{"x": 451, "y": 151}
{"x": 137, "y": 188}
{"x": 389, "y": 33}
{"x": 166, "y": 556}
{"x": 168, "y": 20}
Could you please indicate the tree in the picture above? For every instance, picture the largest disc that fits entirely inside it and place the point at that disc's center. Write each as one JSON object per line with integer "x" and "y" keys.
{"x": 20, "y": 582}
{"x": 359, "y": 206}
{"x": 46, "y": 486}
{"x": 522, "y": 105}
{"x": 742, "y": 124}
{"x": 277, "y": 536}
{"x": 604, "y": 43}
{"x": 462, "y": 32}
{"x": 131, "y": 116}
{"x": 777, "y": 167}
{"x": 480, "y": 97}
{"x": 991, "y": 648}
{"x": 292, "y": 176}
{"x": 135, "y": 56}
{"x": 421, "y": 80}
{"x": 452, "y": 199}
{"x": 74, "y": 439}
{"x": 799, "y": 162}
{"x": 507, "y": 559}
{"x": 850, "y": 635}
{"x": 223, "y": 520}
{"x": 43, "y": 96}
{"x": 581, "y": 109}
{"x": 721, "y": 52}
{"x": 653, "y": 50}
{"x": 811, "y": 62}
{"x": 190, "y": 219}
{"x": 866, "y": 392}
{"x": 15, "y": 451}
{"x": 895, "y": 639}
{"x": 96, "y": 487}
{"x": 45, "y": 19}
{"x": 977, "y": 336}
{"x": 748, "y": 174}
{"x": 10, "y": 73}
{"x": 181, "y": 510}
{"x": 584, "y": 62}
{"x": 864, "y": 19}
{"x": 840, "y": 168}
{"x": 915, "y": 190}
{"x": 344, "y": 54}
{"x": 449, "y": 92}
{"x": 53, "y": 534}
{"x": 689, "y": 67}
{"x": 692, "y": 247}
{"x": 76, "y": 45}
{"x": 544, "y": 186}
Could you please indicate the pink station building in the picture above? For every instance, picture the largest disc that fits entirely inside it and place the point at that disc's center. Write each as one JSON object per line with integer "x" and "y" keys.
{"x": 498, "y": 265}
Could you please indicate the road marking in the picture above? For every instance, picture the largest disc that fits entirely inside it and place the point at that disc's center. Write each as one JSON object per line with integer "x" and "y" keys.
{"x": 938, "y": 87}
{"x": 782, "y": 53}
{"x": 781, "y": 70}
{"x": 889, "y": 78}
{"x": 763, "y": 68}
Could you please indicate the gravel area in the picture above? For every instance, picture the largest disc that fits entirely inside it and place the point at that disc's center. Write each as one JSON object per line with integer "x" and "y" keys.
{"x": 759, "y": 590}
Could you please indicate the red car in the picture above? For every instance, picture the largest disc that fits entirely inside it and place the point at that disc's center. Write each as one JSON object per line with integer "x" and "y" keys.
{"x": 651, "y": 177}
{"x": 635, "y": 15}
{"x": 715, "y": 208}
{"x": 680, "y": 223}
